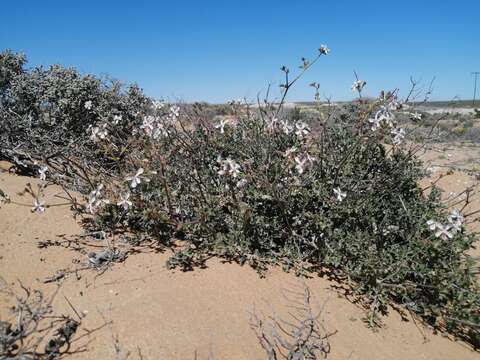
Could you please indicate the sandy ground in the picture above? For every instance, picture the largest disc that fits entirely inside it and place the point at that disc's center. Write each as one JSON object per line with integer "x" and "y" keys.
{"x": 456, "y": 166}
{"x": 173, "y": 314}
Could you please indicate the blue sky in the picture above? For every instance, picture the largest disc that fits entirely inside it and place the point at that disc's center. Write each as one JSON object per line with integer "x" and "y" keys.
{"x": 220, "y": 50}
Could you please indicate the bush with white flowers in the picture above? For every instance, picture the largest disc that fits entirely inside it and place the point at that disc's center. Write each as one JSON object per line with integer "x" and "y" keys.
{"x": 264, "y": 189}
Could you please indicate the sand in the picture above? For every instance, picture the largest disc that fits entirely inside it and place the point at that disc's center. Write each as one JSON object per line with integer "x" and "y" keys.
{"x": 175, "y": 315}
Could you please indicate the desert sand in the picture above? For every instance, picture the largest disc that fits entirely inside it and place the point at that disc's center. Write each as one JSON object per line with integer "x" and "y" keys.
{"x": 158, "y": 313}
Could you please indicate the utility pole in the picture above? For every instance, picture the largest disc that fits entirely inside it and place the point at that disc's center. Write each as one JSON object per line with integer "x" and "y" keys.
{"x": 475, "y": 73}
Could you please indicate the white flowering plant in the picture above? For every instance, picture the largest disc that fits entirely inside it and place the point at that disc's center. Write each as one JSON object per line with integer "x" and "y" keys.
{"x": 268, "y": 187}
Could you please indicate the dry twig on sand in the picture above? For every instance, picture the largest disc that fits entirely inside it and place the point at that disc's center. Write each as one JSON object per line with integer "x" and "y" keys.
{"x": 303, "y": 336}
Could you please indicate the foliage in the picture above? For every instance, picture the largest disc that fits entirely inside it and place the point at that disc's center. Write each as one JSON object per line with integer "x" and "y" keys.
{"x": 258, "y": 188}
{"x": 46, "y": 112}
{"x": 33, "y": 331}
{"x": 338, "y": 202}
{"x": 303, "y": 336}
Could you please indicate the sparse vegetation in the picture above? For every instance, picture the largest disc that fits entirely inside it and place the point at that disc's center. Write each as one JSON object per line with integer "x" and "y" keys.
{"x": 33, "y": 331}
{"x": 302, "y": 336}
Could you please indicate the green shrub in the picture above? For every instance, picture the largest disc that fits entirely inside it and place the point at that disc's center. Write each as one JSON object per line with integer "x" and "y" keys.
{"x": 336, "y": 202}
{"x": 48, "y": 111}
{"x": 259, "y": 189}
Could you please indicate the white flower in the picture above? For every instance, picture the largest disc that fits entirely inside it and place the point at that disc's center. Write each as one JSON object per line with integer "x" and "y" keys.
{"x": 234, "y": 168}
{"x": 221, "y": 125}
{"x": 38, "y": 206}
{"x": 94, "y": 135}
{"x": 88, "y": 105}
{"x": 94, "y": 199}
{"x": 99, "y": 133}
{"x": 158, "y": 105}
{"x": 289, "y": 152}
{"x": 174, "y": 112}
{"x": 136, "y": 179}
{"x": 399, "y": 135}
{"x": 91, "y": 205}
{"x": 324, "y": 50}
{"x": 102, "y": 134}
{"x": 42, "y": 171}
{"x": 416, "y": 116}
{"x": 442, "y": 232}
{"x": 358, "y": 85}
{"x": 383, "y": 115}
{"x": 117, "y": 119}
{"x": 94, "y": 196}
{"x": 153, "y": 127}
{"x": 300, "y": 164}
{"x": 228, "y": 167}
{"x": 160, "y": 131}
{"x": 432, "y": 225}
{"x": 148, "y": 124}
{"x": 96, "y": 193}
{"x": 456, "y": 220}
{"x": 310, "y": 158}
{"x": 272, "y": 123}
{"x": 124, "y": 202}
{"x": 375, "y": 123}
{"x": 302, "y": 129}
{"x": 241, "y": 183}
{"x": 302, "y": 161}
{"x": 287, "y": 128}
{"x": 339, "y": 194}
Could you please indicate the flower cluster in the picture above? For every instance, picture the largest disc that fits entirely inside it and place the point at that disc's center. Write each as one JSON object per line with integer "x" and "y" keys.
{"x": 228, "y": 167}
{"x": 98, "y": 133}
{"x": 385, "y": 118}
{"x": 95, "y": 199}
{"x": 398, "y": 135}
{"x": 446, "y": 231}
{"x": 154, "y": 127}
{"x": 301, "y": 129}
{"x": 88, "y": 105}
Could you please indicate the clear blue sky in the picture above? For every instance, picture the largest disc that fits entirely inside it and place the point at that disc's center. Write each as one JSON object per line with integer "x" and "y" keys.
{"x": 220, "y": 50}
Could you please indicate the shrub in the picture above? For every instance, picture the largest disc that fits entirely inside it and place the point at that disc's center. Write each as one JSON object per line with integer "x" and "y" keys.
{"x": 32, "y": 330}
{"x": 46, "y": 112}
{"x": 261, "y": 189}
{"x": 476, "y": 113}
{"x": 266, "y": 192}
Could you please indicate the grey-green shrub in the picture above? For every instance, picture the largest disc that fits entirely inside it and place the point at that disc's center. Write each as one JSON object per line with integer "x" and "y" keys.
{"x": 342, "y": 203}
{"x": 44, "y": 112}
{"x": 376, "y": 238}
